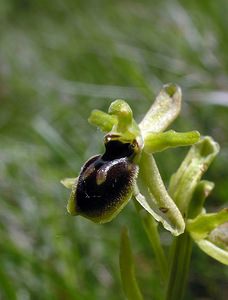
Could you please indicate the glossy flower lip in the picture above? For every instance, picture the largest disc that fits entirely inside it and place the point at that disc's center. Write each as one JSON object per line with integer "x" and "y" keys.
{"x": 105, "y": 183}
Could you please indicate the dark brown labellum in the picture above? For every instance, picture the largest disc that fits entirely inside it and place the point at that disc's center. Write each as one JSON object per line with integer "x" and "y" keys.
{"x": 106, "y": 181}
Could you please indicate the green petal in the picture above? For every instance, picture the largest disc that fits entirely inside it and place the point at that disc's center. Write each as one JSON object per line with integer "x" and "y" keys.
{"x": 102, "y": 120}
{"x": 156, "y": 142}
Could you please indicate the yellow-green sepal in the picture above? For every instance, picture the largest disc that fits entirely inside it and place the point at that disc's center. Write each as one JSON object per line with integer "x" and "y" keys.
{"x": 151, "y": 193}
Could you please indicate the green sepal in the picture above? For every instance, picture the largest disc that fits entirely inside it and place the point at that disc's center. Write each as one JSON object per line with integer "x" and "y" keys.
{"x": 163, "y": 111}
{"x": 153, "y": 196}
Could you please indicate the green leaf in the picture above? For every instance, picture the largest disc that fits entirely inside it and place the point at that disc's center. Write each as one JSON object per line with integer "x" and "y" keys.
{"x": 156, "y": 142}
{"x": 163, "y": 111}
{"x": 127, "y": 269}
{"x": 154, "y": 197}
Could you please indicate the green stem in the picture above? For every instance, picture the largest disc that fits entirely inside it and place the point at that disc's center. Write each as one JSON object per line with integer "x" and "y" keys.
{"x": 150, "y": 227}
{"x": 181, "y": 250}
{"x": 127, "y": 269}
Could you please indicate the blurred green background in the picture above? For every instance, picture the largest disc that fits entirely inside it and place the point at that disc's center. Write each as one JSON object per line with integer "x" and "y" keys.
{"x": 58, "y": 61}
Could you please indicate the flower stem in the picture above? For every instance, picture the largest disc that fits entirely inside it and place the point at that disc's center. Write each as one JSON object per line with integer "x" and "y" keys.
{"x": 127, "y": 269}
{"x": 150, "y": 227}
{"x": 181, "y": 250}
